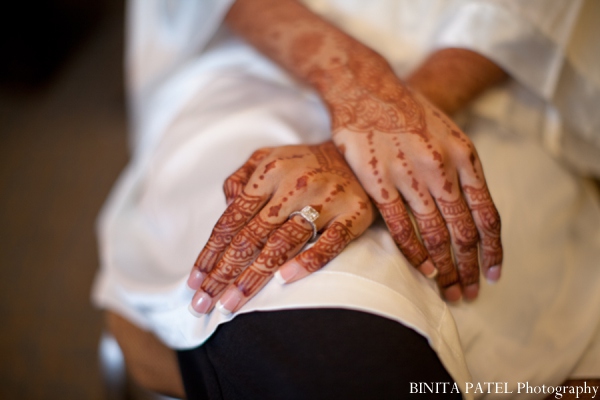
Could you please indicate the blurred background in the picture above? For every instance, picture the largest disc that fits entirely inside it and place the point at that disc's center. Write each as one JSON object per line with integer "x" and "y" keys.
{"x": 62, "y": 145}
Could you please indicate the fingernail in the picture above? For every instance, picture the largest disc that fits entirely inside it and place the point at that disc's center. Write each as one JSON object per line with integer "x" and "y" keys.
{"x": 229, "y": 301}
{"x": 471, "y": 292}
{"x": 493, "y": 274}
{"x": 428, "y": 269}
{"x": 201, "y": 302}
{"x": 453, "y": 294}
{"x": 195, "y": 279}
{"x": 193, "y": 312}
{"x": 433, "y": 274}
{"x": 286, "y": 273}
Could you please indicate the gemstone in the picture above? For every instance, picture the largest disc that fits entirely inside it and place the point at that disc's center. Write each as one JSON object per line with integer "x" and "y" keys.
{"x": 310, "y": 213}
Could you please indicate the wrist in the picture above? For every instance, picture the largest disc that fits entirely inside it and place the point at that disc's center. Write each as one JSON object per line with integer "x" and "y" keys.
{"x": 358, "y": 73}
{"x": 365, "y": 95}
{"x": 451, "y": 78}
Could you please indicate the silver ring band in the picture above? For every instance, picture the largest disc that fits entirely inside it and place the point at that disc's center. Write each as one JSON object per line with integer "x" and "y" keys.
{"x": 310, "y": 215}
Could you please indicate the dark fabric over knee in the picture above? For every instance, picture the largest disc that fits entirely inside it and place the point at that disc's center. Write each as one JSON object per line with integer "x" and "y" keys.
{"x": 310, "y": 354}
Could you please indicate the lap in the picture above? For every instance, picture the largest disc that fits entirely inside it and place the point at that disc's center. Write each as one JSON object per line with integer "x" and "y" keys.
{"x": 310, "y": 353}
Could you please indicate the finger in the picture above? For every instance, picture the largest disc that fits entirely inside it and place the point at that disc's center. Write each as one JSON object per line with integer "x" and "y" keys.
{"x": 402, "y": 230}
{"x": 436, "y": 238}
{"x": 231, "y": 222}
{"x": 483, "y": 210}
{"x": 235, "y": 183}
{"x": 419, "y": 201}
{"x": 331, "y": 243}
{"x": 244, "y": 248}
{"x": 464, "y": 238}
{"x": 487, "y": 221}
{"x": 283, "y": 244}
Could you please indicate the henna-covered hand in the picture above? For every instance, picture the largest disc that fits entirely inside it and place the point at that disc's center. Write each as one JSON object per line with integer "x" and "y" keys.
{"x": 254, "y": 238}
{"x": 409, "y": 155}
{"x": 406, "y": 153}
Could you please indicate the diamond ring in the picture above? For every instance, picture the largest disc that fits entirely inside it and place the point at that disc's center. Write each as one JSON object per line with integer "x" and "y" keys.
{"x": 310, "y": 215}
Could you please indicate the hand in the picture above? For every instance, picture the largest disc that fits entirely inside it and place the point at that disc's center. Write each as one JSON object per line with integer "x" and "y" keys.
{"x": 407, "y": 154}
{"x": 254, "y": 238}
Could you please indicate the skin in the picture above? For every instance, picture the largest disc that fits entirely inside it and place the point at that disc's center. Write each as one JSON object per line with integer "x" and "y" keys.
{"x": 451, "y": 78}
{"x": 255, "y": 238}
{"x": 407, "y": 154}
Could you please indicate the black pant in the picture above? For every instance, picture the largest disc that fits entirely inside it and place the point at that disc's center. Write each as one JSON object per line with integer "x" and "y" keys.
{"x": 310, "y": 354}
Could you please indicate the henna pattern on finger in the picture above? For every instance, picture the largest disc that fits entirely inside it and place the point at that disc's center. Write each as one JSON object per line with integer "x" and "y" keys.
{"x": 398, "y": 222}
{"x": 489, "y": 223}
{"x": 464, "y": 236}
{"x": 330, "y": 244}
{"x": 233, "y": 252}
{"x": 232, "y": 220}
{"x": 244, "y": 248}
{"x": 277, "y": 251}
{"x": 437, "y": 242}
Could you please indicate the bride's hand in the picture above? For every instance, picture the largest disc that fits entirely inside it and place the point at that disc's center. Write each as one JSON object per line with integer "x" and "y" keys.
{"x": 255, "y": 238}
{"x": 408, "y": 155}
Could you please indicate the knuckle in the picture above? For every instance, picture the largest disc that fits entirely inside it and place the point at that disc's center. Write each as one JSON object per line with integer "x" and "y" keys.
{"x": 231, "y": 187}
{"x": 434, "y": 159}
{"x": 469, "y": 274}
{"x": 493, "y": 221}
{"x": 465, "y": 154}
{"x": 376, "y": 191}
{"x": 231, "y": 180}
{"x": 312, "y": 260}
{"x": 471, "y": 237}
{"x": 443, "y": 261}
{"x": 438, "y": 242}
{"x": 410, "y": 246}
{"x": 467, "y": 233}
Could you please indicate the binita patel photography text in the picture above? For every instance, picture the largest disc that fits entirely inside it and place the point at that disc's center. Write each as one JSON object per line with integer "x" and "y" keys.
{"x": 580, "y": 391}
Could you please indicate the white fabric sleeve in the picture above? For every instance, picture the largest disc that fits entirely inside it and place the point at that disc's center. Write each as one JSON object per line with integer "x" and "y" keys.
{"x": 548, "y": 47}
{"x": 162, "y": 35}
{"x": 526, "y": 39}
